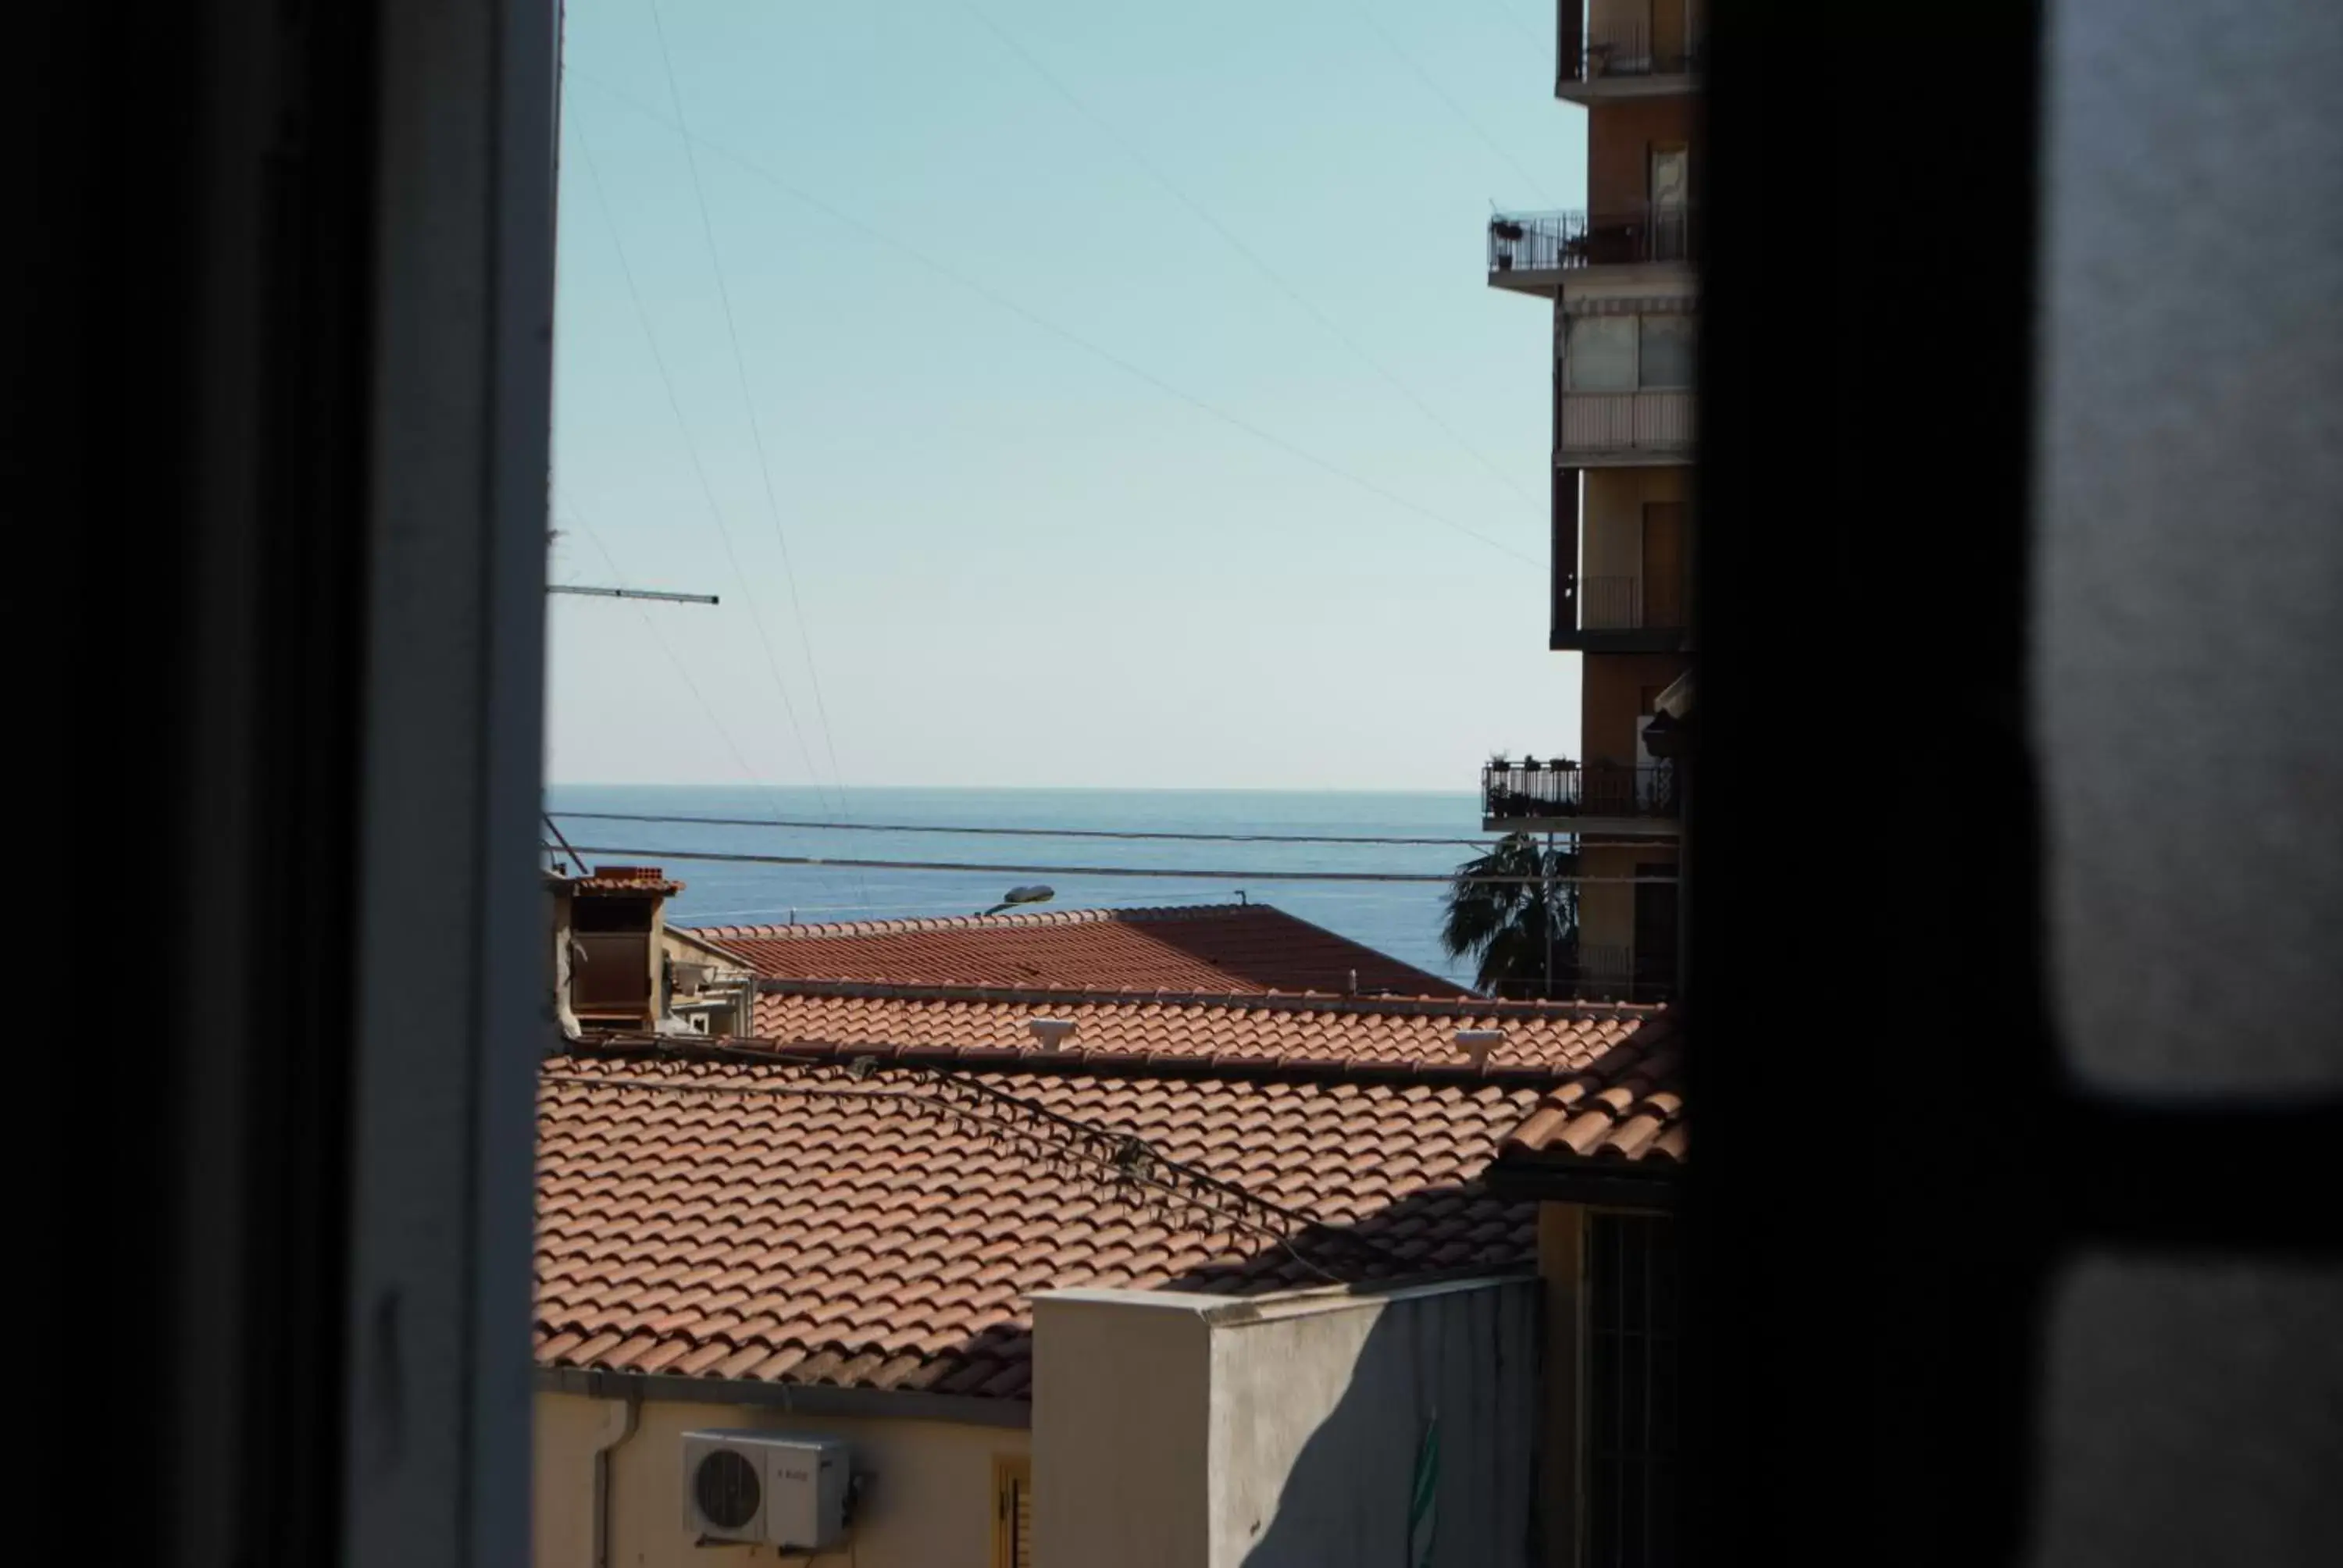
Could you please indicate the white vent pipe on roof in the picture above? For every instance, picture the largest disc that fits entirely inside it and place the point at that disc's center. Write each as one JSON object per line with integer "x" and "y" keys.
{"x": 1477, "y": 1043}
{"x": 1051, "y": 1032}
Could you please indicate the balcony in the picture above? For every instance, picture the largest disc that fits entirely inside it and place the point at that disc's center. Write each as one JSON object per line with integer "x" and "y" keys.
{"x": 1620, "y": 615}
{"x": 1558, "y": 797}
{"x": 1533, "y": 253}
{"x": 1622, "y": 429}
{"x": 1611, "y": 973}
{"x": 1593, "y": 973}
{"x": 1604, "y": 58}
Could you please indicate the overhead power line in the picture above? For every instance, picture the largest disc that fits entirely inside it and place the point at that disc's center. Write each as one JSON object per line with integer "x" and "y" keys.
{"x": 749, "y": 407}
{"x": 683, "y": 673}
{"x": 1067, "y": 335}
{"x": 691, "y": 450}
{"x": 1216, "y": 875}
{"x": 1276, "y": 279}
{"x": 1454, "y": 107}
{"x": 997, "y": 831}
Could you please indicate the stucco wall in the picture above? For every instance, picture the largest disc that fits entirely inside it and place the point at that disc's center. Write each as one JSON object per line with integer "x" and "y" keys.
{"x": 1619, "y": 139}
{"x": 1614, "y": 525}
{"x": 930, "y": 1503}
{"x": 1611, "y": 702}
{"x": 1317, "y": 1418}
{"x": 1121, "y": 1392}
{"x": 1193, "y": 1431}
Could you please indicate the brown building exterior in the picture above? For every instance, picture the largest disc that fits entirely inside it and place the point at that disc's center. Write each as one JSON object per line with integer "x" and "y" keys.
{"x": 1620, "y": 280}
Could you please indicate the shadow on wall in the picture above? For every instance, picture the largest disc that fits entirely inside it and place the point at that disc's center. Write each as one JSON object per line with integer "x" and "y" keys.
{"x": 1360, "y": 1472}
{"x": 1321, "y": 1416}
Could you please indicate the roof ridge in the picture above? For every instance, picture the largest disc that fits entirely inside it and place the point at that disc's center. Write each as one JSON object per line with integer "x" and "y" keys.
{"x": 1097, "y": 915}
{"x": 745, "y": 1052}
{"x": 1271, "y": 1001}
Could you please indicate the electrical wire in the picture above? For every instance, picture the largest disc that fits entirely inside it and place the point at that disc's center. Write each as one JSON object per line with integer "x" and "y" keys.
{"x": 1276, "y": 279}
{"x": 969, "y": 831}
{"x": 1219, "y": 875}
{"x": 691, "y": 450}
{"x": 756, "y": 427}
{"x": 1441, "y": 93}
{"x": 683, "y": 671}
{"x": 1066, "y": 335}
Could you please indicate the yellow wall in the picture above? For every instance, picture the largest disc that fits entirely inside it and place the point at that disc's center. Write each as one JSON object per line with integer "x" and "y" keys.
{"x": 929, "y": 1504}
{"x": 1612, "y": 524}
{"x": 1606, "y": 911}
{"x": 1561, "y": 1263}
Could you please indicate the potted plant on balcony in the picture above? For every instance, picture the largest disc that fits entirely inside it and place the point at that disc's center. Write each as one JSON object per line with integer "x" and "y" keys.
{"x": 1505, "y": 229}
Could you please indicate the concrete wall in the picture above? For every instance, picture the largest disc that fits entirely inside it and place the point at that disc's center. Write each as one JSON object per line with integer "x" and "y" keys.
{"x": 1122, "y": 1428}
{"x": 930, "y": 1505}
{"x": 1178, "y": 1430}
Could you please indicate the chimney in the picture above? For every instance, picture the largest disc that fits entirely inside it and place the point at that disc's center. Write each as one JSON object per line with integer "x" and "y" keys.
{"x": 609, "y": 948}
{"x": 1050, "y": 1032}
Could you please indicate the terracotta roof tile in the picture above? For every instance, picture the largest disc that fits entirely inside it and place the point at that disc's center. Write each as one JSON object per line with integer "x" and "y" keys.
{"x": 926, "y": 1267}
{"x": 1625, "y": 1105}
{"x": 1216, "y": 947}
{"x": 973, "y": 1025}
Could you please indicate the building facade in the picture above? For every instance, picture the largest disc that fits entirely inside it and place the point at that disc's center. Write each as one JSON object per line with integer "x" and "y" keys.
{"x": 1619, "y": 278}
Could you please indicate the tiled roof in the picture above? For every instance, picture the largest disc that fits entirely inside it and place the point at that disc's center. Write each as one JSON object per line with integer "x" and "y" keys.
{"x": 620, "y": 879}
{"x": 1557, "y": 1037}
{"x": 800, "y": 1223}
{"x": 1628, "y": 1105}
{"x": 1216, "y": 947}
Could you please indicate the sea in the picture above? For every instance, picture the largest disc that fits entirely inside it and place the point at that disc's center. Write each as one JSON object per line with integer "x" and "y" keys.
{"x": 1401, "y": 918}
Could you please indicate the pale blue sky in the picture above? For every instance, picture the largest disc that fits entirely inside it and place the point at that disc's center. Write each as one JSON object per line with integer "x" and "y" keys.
{"x": 1019, "y": 563}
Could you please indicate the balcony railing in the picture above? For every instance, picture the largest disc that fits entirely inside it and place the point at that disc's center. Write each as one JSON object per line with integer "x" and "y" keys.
{"x": 1610, "y": 604}
{"x": 1567, "y": 241}
{"x": 1623, "y": 422}
{"x": 1589, "y": 609}
{"x": 1598, "y": 51}
{"x": 1598, "y": 972}
{"x": 1531, "y": 791}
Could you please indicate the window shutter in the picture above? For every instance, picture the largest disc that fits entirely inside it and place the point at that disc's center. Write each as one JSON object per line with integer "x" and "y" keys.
{"x": 1012, "y": 1511}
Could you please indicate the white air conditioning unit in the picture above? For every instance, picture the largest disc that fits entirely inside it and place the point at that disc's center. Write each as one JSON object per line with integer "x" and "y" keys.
{"x": 767, "y": 1487}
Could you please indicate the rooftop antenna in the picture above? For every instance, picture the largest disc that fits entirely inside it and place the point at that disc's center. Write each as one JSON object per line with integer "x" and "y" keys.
{"x": 577, "y": 865}
{"x": 591, "y": 592}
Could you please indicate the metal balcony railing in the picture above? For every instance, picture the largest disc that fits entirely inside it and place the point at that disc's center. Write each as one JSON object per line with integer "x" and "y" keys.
{"x": 1592, "y": 52}
{"x": 1621, "y": 604}
{"x": 1566, "y": 241}
{"x": 1610, "y": 604}
{"x": 1597, "y": 972}
{"x": 1529, "y": 790}
{"x": 1589, "y": 423}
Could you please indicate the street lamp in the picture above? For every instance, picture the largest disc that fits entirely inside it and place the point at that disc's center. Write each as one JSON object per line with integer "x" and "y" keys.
{"x": 1032, "y": 893}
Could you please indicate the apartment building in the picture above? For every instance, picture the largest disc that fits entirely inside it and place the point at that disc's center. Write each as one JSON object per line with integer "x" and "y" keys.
{"x": 1620, "y": 278}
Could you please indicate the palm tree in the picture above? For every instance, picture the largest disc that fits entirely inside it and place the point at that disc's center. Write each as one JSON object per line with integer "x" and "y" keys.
{"x": 1519, "y": 933}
